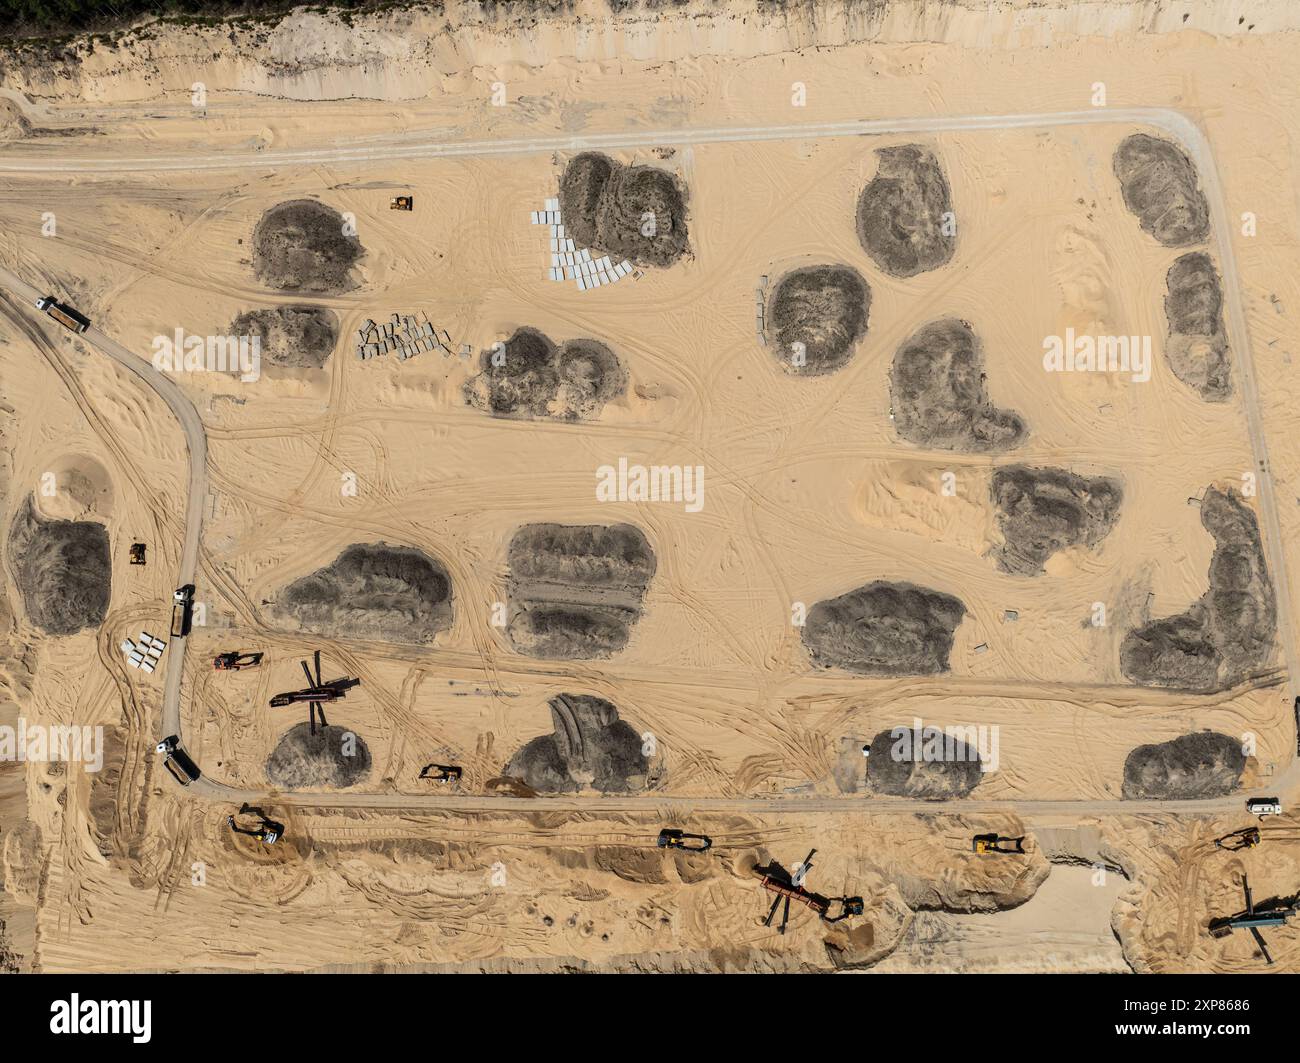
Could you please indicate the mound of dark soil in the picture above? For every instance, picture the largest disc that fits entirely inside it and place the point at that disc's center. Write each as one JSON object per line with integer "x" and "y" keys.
{"x": 1229, "y": 632}
{"x": 529, "y": 376}
{"x": 332, "y": 758}
{"x": 884, "y": 629}
{"x": 1041, "y": 511}
{"x": 601, "y": 555}
{"x": 590, "y": 376}
{"x": 291, "y": 337}
{"x": 570, "y": 631}
{"x": 901, "y": 212}
{"x": 939, "y": 397}
{"x": 924, "y": 763}
{"x": 62, "y": 570}
{"x": 823, "y": 310}
{"x": 590, "y": 748}
{"x": 300, "y": 246}
{"x": 581, "y": 187}
{"x": 1178, "y": 651}
{"x": 1197, "y": 346}
{"x": 373, "y": 591}
{"x": 1191, "y": 766}
{"x": 576, "y": 590}
{"x": 632, "y": 212}
{"x": 1160, "y": 185}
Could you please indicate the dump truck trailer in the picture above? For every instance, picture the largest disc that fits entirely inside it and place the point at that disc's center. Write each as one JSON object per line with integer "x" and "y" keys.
{"x": 182, "y": 611}
{"x": 63, "y": 314}
{"x": 177, "y": 761}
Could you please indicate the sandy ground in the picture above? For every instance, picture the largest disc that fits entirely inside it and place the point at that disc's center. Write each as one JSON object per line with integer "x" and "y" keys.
{"x": 809, "y": 495}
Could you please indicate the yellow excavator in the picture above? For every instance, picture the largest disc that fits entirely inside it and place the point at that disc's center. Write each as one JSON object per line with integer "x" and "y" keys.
{"x": 1246, "y": 838}
{"x": 670, "y": 838}
{"x": 987, "y": 844}
{"x": 267, "y": 831}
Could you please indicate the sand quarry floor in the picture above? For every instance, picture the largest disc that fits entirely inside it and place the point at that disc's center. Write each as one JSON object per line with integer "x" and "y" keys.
{"x": 809, "y": 494}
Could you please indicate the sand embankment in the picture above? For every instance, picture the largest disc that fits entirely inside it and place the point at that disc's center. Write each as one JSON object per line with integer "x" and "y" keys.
{"x": 413, "y": 53}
